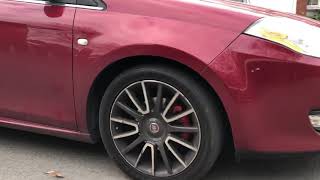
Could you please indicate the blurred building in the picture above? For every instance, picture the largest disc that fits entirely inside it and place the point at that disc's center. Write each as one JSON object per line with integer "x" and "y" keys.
{"x": 279, "y": 5}
{"x": 314, "y": 8}
{"x": 302, "y": 7}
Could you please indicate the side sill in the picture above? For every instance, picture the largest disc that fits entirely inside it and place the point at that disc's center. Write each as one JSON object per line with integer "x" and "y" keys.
{"x": 47, "y": 130}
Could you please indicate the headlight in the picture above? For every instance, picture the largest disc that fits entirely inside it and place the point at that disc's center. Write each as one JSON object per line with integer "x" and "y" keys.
{"x": 296, "y": 35}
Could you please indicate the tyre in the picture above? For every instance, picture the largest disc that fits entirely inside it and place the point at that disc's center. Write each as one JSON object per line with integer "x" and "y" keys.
{"x": 158, "y": 123}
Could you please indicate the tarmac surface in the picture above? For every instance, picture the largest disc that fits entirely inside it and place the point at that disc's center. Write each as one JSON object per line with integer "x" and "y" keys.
{"x": 27, "y": 156}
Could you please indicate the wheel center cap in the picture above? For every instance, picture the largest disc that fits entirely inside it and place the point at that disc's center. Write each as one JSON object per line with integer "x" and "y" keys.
{"x": 154, "y": 128}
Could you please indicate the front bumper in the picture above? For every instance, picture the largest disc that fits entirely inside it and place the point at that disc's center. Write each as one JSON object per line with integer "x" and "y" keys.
{"x": 268, "y": 92}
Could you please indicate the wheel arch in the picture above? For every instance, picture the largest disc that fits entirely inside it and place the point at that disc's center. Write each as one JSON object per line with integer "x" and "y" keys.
{"x": 105, "y": 77}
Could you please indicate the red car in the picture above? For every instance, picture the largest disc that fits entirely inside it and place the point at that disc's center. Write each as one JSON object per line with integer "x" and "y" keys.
{"x": 163, "y": 83}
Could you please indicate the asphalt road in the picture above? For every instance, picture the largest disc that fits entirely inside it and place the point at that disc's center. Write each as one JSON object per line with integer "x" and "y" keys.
{"x": 27, "y": 156}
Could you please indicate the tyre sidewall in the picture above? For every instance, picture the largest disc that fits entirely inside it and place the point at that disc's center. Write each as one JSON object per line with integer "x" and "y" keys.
{"x": 207, "y": 113}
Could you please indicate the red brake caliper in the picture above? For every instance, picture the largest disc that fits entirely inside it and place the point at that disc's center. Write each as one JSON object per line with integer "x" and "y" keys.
{"x": 185, "y": 121}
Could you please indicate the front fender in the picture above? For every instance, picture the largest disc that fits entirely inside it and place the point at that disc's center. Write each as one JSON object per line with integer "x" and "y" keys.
{"x": 116, "y": 34}
{"x": 87, "y": 69}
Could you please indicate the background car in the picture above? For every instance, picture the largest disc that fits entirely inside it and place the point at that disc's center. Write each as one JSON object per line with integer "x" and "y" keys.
{"x": 165, "y": 84}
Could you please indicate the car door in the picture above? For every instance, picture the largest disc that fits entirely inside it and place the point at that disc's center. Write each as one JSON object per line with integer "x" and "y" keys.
{"x": 36, "y": 62}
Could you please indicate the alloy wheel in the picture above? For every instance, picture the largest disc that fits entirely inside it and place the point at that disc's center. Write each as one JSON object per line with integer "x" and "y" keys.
{"x": 155, "y": 128}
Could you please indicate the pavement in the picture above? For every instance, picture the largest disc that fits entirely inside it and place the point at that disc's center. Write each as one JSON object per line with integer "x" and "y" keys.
{"x": 27, "y": 156}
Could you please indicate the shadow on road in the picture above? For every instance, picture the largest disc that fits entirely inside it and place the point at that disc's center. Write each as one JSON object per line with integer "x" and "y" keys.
{"x": 290, "y": 169}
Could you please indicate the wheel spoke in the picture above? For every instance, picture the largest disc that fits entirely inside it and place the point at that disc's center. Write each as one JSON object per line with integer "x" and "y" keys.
{"x": 146, "y": 97}
{"x": 134, "y": 144}
{"x": 181, "y": 115}
{"x": 170, "y": 104}
{"x": 151, "y": 146}
{"x": 140, "y": 155}
{"x": 126, "y": 134}
{"x": 152, "y": 160}
{"x": 165, "y": 159}
{"x": 182, "y": 142}
{"x": 183, "y": 129}
{"x": 127, "y": 122}
{"x": 175, "y": 153}
{"x": 129, "y": 111}
{"x": 135, "y": 101}
{"x": 158, "y": 103}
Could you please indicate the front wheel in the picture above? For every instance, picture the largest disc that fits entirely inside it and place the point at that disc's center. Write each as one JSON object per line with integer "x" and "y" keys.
{"x": 156, "y": 122}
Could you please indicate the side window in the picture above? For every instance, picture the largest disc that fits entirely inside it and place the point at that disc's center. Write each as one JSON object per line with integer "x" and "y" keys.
{"x": 87, "y": 2}
{"x": 66, "y": 1}
{"x": 62, "y": 1}
{"x": 99, "y": 4}
{"x": 91, "y": 4}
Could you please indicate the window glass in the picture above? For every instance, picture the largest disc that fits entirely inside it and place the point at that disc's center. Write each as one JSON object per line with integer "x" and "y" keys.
{"x": 88, "y": 2}
{"x": 313, "y": 2}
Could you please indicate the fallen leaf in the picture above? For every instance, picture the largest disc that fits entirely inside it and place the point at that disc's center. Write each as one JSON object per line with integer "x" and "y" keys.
{"x": 54, "y": 174}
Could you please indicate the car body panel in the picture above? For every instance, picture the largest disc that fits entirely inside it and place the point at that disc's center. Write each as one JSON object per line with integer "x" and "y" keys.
{"x": 187, "y": 33}
{"x": 268, "y": 92}
{"x": 36, "y": 64}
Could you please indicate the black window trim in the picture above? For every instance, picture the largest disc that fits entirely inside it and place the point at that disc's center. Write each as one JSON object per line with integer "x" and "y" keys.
{"x": 101, "y": 5}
